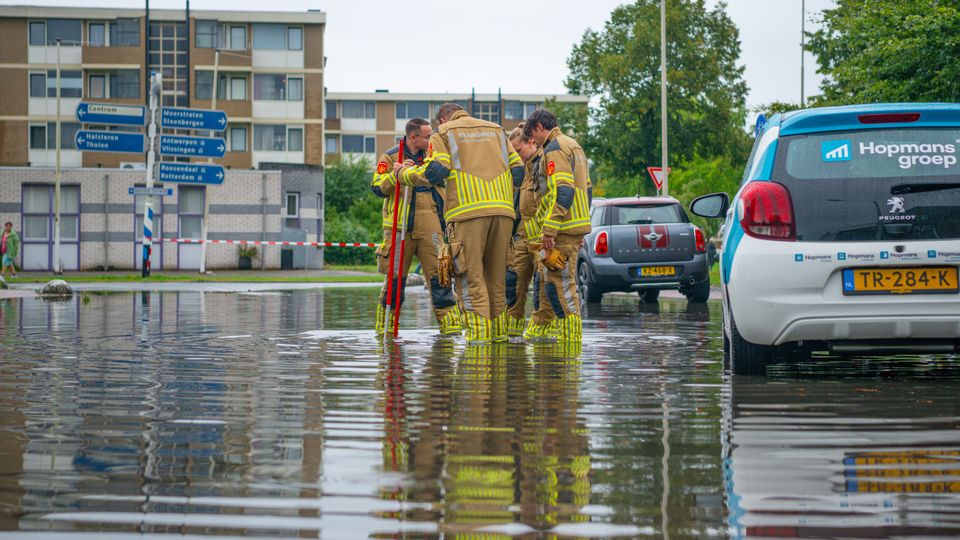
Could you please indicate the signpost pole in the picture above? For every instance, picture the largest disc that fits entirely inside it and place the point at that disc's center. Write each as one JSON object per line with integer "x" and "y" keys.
{"x": 57, "y": 269}
{"x": 206, "y": 198}
{"x": 155, "y": 82}
{"x": 663, "y": 94}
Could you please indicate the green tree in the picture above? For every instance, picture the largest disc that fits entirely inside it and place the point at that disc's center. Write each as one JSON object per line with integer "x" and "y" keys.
{"x": 700, "y": 176}
{"x": 620, "y": 67}
{"x": 351, "y": 212}
{"x": 870, "y": 51}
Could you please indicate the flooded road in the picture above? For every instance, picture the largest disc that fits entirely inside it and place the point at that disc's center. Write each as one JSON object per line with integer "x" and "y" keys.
{"x": 277, "y": 414}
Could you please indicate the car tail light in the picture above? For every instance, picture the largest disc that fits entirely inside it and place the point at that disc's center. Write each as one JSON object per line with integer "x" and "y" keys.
{"x": 766, "y": 211}
{"x": 888, "y": 118}
{"x": 701, "y": 240}
{"x": 600, "y": 245}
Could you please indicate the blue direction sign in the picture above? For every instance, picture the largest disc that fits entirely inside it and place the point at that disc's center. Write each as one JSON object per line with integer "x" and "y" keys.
{"x": 189, "y": 173}
{"x": 110, "y": 141}
{"x": 109, "y": 113}
{"x": 174, "y": 117}
{"x": 150, "y": 191}
{"x": 179, "y": 145}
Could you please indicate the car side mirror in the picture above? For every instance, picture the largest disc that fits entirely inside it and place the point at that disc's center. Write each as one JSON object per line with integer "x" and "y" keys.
{"x": 713, "y": 205}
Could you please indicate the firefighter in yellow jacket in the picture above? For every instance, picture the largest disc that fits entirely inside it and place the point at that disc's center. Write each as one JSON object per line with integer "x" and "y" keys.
{"x": 481, "y": 170}
{"x": 522, "y": 265}
{"x": 422, "y": 216}
{"x": 563, "y": 217}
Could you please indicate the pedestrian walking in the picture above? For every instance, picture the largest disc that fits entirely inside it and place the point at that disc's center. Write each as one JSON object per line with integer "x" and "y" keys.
{"x": 422, "y": 218}
{"x": 522, "y": 264}
{"x": 563, "y": 217}
{"x": 480, "y": 168}
{"x": 9, "y": 248}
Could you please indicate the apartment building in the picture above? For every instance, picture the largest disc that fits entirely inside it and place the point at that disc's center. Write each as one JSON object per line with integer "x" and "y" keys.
{"x": 365, "y": 124}
{"x": 265, "y": 69}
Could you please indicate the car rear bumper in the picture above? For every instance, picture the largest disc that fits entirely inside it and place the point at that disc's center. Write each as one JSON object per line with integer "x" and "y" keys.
{"x": 610, "y": 275}
{"x": 781, "y": 292}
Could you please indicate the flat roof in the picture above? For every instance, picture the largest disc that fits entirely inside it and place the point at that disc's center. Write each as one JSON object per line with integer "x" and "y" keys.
{"x": 66, "y": 12}
{"x": 407, "y": 96}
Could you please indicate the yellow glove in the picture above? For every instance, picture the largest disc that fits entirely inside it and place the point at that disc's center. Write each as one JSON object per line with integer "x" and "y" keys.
{"x": 555, "y": 260}
{"x": 444, "y": 266}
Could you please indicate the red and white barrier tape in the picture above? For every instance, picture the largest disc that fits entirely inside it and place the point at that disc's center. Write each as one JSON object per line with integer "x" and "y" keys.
{"x": 265, "y": 243}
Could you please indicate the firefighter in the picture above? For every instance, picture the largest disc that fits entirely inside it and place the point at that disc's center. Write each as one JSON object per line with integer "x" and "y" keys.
{"x": 481, "y": 170}
{"x": 422, "y": 216}
{"x": 523, "y": 264}
{"x": 563, "y": 216}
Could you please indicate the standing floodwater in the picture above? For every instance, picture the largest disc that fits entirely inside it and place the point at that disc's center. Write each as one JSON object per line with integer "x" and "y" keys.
{"x": 279, "y": 414}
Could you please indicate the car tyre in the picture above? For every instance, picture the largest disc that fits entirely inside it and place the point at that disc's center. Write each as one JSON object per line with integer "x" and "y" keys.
{"x": 589, "y": 292}
{"x": 748, "y": 358}
{"x": 650, "y": 296}
{"x": 700, "y": 292}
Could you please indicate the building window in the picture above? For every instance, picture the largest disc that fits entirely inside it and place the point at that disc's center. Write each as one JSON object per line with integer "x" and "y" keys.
{"x": 38, "y": 33}
{"x": 238, "y": 38}
{"x": 97, "y": 87}
{"x": 125, "y": 33}
{"x": 330, "y": 145}
{"x": 71, "y": 84}
{"x": 67, "y": 30}
{"x": 292, "y": 208}
{"x": 125, "y": 84}
{"x": 190, "y": 208}
{"x": 238, "y": 88}
{"x": 270, "y": 138}
{"x": 295, "y": 38}
{"x": 358, "y": 109}
{"x": 331, "y": 109}
{"x": 238, "y": 139}
{"x": 38, "y": 85}
{"x": 295, "y": 89}
{"x": 36, "y": 213}
{"x": 352, "y": 144}
{"x": 208, "y": 35}
{"x": 70, "y": 213}
{"x": 204, "y": 84}
{"x": 369, "y": 145}
{"x": 269, "y": 37}
{"x": 68, "y": 132}
{"x": 412, "y": 109}
{"x": 295, "y": 139}
{"x": 97, "y": 35}
{"x": 38, "y": 137}
{"x": 488, "y": 110}
{"x": 167, "y": 54}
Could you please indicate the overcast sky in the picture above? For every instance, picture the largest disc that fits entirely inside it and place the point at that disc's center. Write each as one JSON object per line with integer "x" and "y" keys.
{"x": 435, "y": 45}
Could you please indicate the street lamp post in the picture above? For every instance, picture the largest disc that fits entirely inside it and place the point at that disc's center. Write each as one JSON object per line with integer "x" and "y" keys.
{"x": 663, "y": 94}
{"x": 803, "y": 44}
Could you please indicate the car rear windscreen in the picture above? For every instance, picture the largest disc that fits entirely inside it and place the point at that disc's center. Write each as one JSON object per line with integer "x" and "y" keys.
{"x": 893, "y": 184}
{"x": 648, "y": 214}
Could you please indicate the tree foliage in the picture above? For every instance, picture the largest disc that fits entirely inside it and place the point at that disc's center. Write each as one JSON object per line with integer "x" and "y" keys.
{"x": 700, "y": 176}
{"x": 620, "y": 66}
{"x": 351, "y": 212}
{"x": 870, "y": 51}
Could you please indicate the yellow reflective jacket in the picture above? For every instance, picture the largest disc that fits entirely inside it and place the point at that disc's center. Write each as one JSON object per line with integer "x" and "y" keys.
{"x": 565, "y": 208}
{"x": 384, "y": 186}
{"x": 533, "y": 187}
{"x": 478, "y": 165}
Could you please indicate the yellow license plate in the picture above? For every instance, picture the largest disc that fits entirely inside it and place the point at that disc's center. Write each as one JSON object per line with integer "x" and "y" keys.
{"x": 657, "y": 271}
{"x": 903, "y": 280}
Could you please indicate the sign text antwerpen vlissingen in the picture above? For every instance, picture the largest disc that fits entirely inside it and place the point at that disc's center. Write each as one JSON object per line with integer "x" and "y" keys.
{"x": 110, "y": 141}
{"x": 179, "y": 145}
{"x": 190, "y": 173}
{"x": 174, "y": 117}
{"x": 112, "y": 114}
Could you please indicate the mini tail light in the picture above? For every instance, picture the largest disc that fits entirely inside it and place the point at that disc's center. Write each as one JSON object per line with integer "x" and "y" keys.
{"x": 766, "y": 211}
{"x": 600, "y": 244}
{"x": 701, "y": 240}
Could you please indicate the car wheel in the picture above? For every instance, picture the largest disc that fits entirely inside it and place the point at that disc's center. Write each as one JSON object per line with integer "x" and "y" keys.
{"x": 747, "y": 358}
{"x": 700, "y": 292}
{"x": 589, "y": 292}
{"x": 650, "y": 296}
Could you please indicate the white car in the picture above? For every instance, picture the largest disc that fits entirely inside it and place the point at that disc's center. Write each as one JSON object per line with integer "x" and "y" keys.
{"x": 844, "y": 235}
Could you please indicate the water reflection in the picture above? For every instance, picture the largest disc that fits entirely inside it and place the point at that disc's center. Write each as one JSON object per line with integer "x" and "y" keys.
{"x": 279, "y": 414}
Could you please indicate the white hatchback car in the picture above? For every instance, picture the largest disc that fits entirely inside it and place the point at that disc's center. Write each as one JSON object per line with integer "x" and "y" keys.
{"x": 844, "y": 235}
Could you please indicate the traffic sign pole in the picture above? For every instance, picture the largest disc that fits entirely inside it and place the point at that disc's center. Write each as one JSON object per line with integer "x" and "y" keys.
{"x": 155, "y": 83}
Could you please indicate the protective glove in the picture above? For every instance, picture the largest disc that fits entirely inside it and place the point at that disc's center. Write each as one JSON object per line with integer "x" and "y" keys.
{"x": 445, "y": 266}
{"x": 555, "y": 260}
